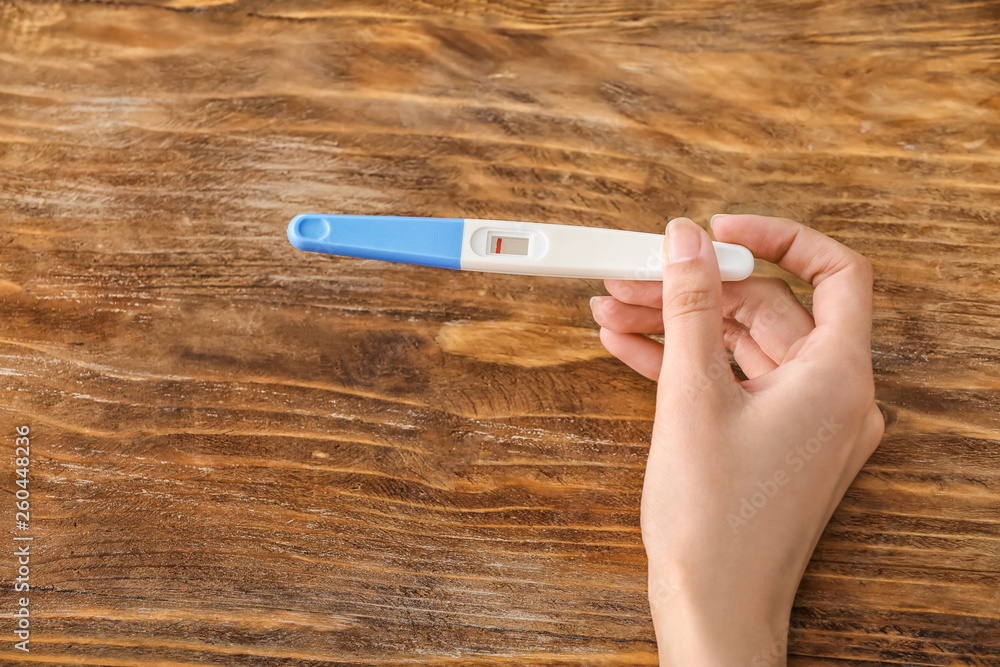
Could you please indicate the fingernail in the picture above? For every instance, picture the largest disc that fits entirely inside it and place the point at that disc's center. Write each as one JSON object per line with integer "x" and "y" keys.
{"x": 683, "y": 240}
{"x": 593, "y": 300}
{"x": 711, "y": 223}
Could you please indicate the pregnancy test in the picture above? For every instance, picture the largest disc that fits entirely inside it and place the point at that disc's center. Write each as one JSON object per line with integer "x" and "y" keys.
{"x": 500, "y": 246}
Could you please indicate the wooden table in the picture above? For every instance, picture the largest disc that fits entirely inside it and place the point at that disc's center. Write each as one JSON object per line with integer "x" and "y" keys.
{"x": 242, "y": 454}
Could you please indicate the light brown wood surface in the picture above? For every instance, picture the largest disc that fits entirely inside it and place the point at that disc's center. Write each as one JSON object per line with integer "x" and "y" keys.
{"x": 243, "y": 454}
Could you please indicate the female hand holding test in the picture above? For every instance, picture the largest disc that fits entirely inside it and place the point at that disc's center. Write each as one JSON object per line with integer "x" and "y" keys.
{"x": 742, "y": 477}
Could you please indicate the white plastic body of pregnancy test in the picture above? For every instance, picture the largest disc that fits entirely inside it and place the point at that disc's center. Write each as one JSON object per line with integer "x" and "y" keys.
{"x": 581, "y": 252}
{"x": 499, "y": 246}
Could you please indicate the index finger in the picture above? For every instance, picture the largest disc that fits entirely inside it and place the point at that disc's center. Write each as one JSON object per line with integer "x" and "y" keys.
{"x": 842, "y": 300}
{"x": 647, "y": 293}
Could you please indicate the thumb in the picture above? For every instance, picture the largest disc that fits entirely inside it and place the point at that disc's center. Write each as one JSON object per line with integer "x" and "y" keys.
{"x": 694, "y": 351}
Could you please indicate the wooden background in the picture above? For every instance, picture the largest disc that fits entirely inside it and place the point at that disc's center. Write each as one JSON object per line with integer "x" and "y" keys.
{"x": 248, "y": 455}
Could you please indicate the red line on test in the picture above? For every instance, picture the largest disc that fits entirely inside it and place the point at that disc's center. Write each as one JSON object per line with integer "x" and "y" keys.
{"x": 498, "y": 245}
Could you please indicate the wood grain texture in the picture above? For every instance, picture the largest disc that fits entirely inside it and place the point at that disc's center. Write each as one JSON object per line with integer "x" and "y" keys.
{"x": 247, "y": 455}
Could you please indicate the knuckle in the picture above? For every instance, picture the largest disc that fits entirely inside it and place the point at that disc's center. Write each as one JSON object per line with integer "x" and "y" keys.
{"x": 765, "y": 301}
{"x": 865, "y": 269}
{"x": 626, "y": 291}
{"x": 854, "y": 370}
{"x": 691, "y": 301}
{"x": 612, "y": 308}
{"x": 851, "y": 262}
{"x": 608, "y": 314}
{"x": 733, "y": 333}
{"x": 877, "y": 426}
{"x": 784, "y": 299}
{"x": 640, "y": 293}
{"x": 778, "y": 285}
{"x": 600, "y": 313}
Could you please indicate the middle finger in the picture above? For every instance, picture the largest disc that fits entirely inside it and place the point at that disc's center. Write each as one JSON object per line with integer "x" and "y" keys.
{"x": 766, "y": 306}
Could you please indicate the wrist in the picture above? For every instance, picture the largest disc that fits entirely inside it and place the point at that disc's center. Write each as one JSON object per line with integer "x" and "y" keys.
{"x": 710, "y": 623}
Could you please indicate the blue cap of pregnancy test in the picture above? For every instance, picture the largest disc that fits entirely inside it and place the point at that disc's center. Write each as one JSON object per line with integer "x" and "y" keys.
{"x": 391, "y": 238}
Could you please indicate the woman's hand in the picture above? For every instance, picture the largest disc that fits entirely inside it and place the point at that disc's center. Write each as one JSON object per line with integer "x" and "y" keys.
{"x": 742, "y": 477}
